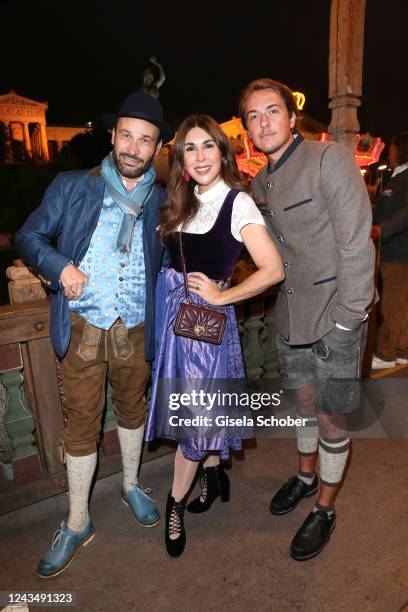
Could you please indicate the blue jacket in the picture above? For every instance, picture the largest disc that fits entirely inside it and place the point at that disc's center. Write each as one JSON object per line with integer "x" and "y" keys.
{"x": 59, "y": 232}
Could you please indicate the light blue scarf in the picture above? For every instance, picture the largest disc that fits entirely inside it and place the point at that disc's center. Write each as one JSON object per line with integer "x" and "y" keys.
{"x": 130, "y": 202}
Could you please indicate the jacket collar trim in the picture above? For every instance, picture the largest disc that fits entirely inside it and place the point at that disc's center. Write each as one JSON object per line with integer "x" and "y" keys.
{"x": 298, "y": 138}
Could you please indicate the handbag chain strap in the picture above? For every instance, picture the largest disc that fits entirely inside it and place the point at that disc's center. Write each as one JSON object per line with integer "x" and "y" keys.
{"x": 183, "y": 266}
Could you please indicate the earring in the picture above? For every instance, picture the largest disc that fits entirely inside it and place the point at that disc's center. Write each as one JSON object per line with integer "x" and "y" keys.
{"x": 186, "y": 175}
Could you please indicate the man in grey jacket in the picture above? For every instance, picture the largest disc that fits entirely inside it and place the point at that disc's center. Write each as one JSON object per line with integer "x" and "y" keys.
{"x": 317, "y": 210}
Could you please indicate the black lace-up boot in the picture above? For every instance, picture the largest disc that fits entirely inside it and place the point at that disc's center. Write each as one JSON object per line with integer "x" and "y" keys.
{"x": 175, "y": 524}
{"x": 213, "y": 483}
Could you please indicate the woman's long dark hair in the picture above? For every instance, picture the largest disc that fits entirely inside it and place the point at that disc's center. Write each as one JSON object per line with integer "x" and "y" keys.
{"x": 181, "y": 204}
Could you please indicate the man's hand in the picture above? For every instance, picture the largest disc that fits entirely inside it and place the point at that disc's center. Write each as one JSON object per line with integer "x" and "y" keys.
{"x": 73, "y": 281}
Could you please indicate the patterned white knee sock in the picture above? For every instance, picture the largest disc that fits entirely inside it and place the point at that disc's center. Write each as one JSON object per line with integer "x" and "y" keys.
{"x": 131, "y": 441}
{"x": 80, "y": 473}
{"x": 307, "y": 435}
{"x": 333, "y": 458}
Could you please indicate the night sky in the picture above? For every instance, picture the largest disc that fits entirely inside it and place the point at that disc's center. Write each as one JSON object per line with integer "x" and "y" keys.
{"x": 84, "y": 57}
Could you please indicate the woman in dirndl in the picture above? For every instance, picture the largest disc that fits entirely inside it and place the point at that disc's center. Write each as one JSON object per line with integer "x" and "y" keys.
{"x": 208, "y": 203}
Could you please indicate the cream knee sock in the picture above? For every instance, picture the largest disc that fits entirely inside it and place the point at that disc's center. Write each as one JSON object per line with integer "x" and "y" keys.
{"x": 131, "y": 441}
{"x": 80, "y": 473}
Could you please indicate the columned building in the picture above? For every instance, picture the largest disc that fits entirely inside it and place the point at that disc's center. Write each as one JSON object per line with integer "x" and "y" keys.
{"x": 26, "y": 132}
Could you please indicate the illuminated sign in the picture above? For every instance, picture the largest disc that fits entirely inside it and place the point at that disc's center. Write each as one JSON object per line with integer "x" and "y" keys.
{"x": 300, "y": 99}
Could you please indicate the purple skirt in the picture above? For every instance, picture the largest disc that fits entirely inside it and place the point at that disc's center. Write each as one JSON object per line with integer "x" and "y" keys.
{"x": 179, "y": 358}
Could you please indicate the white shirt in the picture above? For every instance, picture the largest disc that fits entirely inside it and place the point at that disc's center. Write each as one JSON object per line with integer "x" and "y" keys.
{"x": 399, "y": 169}
{"x": 244, "y": 211}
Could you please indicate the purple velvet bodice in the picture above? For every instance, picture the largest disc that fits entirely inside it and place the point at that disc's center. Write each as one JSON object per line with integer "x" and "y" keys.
{"x": 215, "y": 252}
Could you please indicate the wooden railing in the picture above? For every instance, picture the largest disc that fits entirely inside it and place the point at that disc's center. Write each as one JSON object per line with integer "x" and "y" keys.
{"x": 26, "y": 356}
{"x": 32, "y": 418}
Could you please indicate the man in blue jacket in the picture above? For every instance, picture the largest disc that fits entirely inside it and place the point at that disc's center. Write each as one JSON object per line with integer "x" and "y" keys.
{"x": 93, "y": 239}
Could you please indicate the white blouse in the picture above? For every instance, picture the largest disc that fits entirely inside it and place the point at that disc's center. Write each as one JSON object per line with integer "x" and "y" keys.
{"x": 244, "y": 211}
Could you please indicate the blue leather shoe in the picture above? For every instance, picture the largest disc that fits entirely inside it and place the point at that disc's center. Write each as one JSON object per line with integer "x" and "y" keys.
{"x": 143, "y": 507}
{"x": 65, "y": 545}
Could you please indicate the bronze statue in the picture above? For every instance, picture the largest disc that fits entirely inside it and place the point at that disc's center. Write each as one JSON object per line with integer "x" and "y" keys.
{"x": 149, "y": 86}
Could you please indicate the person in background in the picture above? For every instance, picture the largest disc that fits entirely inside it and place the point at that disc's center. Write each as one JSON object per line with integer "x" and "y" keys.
{"x": 391, "y": 227}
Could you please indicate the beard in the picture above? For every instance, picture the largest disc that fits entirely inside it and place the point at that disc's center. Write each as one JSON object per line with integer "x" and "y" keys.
{"x": 135, "y": 172}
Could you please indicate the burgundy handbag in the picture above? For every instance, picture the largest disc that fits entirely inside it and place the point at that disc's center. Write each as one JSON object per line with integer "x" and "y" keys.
{"x": 198, "y": 322}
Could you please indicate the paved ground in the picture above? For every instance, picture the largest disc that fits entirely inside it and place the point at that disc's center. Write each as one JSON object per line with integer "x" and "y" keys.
{"x": 237, "y": 554}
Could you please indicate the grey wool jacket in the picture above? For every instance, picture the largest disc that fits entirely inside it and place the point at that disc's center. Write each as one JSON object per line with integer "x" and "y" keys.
{"x": 317, "y": 210}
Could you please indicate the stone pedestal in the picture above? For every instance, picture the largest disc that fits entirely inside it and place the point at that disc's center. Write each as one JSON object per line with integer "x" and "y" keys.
{"x": 24, "y": 286}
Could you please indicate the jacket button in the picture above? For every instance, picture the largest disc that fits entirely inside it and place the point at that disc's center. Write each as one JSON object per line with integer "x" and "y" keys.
{"x": 290, "y": 291}
{"x": 122, "y": 265}
{"x": 286, "y": 263}
{"x": 121, "y": 278}
{"x": 280, "y": 238}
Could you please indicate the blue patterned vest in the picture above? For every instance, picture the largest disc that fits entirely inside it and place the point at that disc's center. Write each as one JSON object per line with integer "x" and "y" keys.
{"x": 116, "y": 285}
